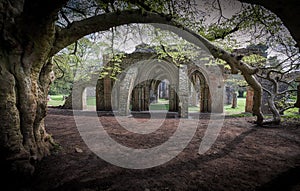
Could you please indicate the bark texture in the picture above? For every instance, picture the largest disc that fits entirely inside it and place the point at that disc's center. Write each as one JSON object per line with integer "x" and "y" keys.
{"x": 25, "y": 76}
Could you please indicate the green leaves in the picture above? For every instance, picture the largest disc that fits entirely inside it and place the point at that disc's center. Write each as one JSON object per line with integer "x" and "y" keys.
{"x": 255, "y": 60}
{"x": 113, "y": 68}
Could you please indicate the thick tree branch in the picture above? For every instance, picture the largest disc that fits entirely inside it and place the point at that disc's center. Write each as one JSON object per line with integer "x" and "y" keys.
{"x": 103, "y": 22}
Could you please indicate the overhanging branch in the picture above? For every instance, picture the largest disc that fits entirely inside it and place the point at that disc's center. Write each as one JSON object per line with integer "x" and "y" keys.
{"x": 104, "y": 22}
{"x": 79, "y": 29}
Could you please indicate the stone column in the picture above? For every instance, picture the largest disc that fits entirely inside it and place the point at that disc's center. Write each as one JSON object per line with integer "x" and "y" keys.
{"x": 193, "y": 95}
{"x": 147, "y": 96}
{"x": 249, "y": 99}
{"x": 234, "y": 100}
{"x": 205, "y": 101}
{"x": 115, "y": 95}
{"x": 297, "y": 104}
{"x": 209, "y": 100}
{"x": 142, "y": 97}
{"x": 201, "y": 100}
{"x": 100, "y": 95}
{"x": 228, "y": 94}
{"x": 156, "y": 91}
{"x": 77, "y": 99}
{"x": 183, "y": 92}
{"x": 126, "y": 87}
{"x": 135, "y": 99}
{"x": 104, "y": 94}
{"x": 84, "y": 103}
{"x": 172, "y": 98}
{"x": 107, "y": 94}
{"x": 167, "y": 90}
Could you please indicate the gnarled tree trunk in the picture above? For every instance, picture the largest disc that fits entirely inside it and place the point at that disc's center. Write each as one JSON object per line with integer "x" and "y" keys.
{"x": 25, "y": 76}
{"x": 23, "y": 108}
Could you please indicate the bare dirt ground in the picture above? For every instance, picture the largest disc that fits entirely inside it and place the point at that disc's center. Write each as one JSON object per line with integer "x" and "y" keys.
{"x": 244, "y": 157}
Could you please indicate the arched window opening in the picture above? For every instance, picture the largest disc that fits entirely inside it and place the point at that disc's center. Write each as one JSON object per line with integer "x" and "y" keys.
{"x": 159, "y": 96}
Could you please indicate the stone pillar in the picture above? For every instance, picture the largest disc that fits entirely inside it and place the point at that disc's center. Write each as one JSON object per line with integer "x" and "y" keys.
{"x": 209, "y": 100}
{"x": 193, "y": 101}
{"x": 228, "y": 94}
{"x": 135, "y": 99}
{"x": 115, "y": 95}
{"x": 141, "y": 97}
{"x": 249, "y": 99}
{"x": 166, "y": 90}
{"x": 107, "y": 94}
{"x": 155, "y": 91}
{"x": 234, "y": 100}
{"x": 297, "y": 104}
{"x": 147, "y": 96}
{"x": 205, "y": 101}
{"x": 77, "y": 97}
{"x": 144, "y": 97}
{"x": 126, "y": 87}
{"x": 104, "y": 94}
{"x": 172, "y": 98}
{"x": 183, "y": 92}
{"x": 84, "y": 103}
{"x": 201, "y": 101}
{"x": 100, "y": 95}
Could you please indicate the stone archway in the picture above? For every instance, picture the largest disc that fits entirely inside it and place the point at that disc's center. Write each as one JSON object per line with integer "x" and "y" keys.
{"x": 142, "y": 73}
{"x": 134, "y": 84}
{"x": 77, "y": 100}
{"x": 159, "y": 95}
{"x": 148, "y": 80}
{"x": 207, "y": 83}
{"x": 200, "y": 91}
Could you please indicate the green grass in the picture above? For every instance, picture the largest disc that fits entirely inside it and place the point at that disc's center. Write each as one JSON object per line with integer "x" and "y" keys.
{"x": 240, "y": 115}
{"x": 163, "y": 104}
{"x": 56, "y": 100}
{"x": 159, "y": 106}
{"x": 292, "y": 113}
{"x": 194, "y": 109}
{"x": 91, "y": 101}
{"x": 57, "y": 97}
{"x": 241, "y": 103}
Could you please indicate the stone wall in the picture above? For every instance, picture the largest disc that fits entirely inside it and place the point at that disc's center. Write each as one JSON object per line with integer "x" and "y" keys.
{"x": 131, "y": 88}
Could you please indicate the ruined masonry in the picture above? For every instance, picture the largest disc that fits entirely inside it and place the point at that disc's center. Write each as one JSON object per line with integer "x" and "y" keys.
{"x": 145, "y": 77}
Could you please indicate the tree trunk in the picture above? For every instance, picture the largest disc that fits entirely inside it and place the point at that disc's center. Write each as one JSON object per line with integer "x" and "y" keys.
{"x": 274, "y": 110}
{"x": 23, "y": 107}
{"x": 25, "y": 77}
{"x": 68, "y": 102}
